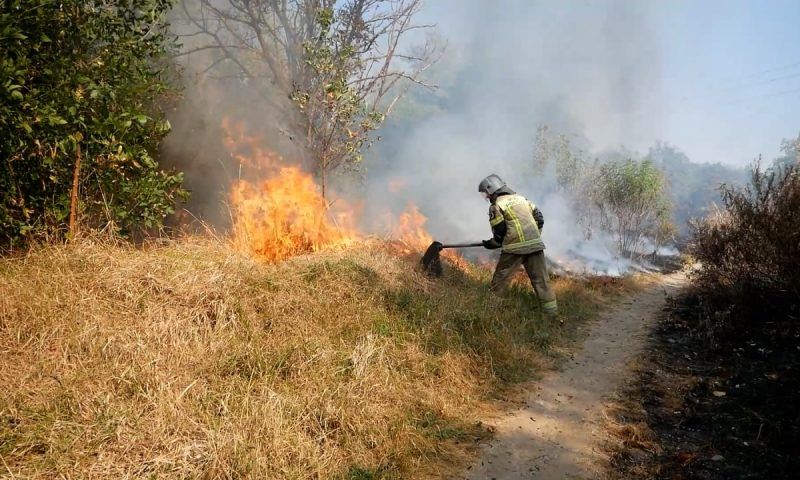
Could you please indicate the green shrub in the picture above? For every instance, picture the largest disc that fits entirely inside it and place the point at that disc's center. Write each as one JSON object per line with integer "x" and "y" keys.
{"x": 88, "y": 75}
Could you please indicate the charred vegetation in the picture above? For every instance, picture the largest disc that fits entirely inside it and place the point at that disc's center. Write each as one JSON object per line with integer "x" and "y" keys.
{"x": 717, "y": 397}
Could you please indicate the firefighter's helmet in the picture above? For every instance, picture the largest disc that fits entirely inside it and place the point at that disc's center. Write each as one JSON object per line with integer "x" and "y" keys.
{"x": 491, "y": 184}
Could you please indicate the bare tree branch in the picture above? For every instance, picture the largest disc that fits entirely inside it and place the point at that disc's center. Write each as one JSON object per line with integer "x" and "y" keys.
{"x": 346, "y": 63}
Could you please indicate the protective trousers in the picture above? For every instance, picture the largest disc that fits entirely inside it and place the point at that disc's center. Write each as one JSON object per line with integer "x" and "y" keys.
{"x": 536, "y": 269}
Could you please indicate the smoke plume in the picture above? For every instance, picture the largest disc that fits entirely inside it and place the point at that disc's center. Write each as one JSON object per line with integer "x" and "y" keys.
{"x": 588, "y": 70}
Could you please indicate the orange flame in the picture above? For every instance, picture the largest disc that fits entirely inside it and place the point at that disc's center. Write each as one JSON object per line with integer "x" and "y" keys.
{"x": 246, "y": 149}
{"x": 410, "y": 228}
{"x": 395, "y": 185}
{"x": 285, "y": 214}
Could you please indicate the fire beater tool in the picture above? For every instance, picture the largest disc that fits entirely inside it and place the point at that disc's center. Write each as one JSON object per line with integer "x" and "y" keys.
{"x": 432, "y": 263}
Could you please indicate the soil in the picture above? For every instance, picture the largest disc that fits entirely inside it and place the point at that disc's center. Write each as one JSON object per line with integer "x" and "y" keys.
{"x": 558, "y": 432}
{"x": 711, "y": 407}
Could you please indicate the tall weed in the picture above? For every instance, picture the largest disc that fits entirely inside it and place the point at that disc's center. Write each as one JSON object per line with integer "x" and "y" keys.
{"x": 749, "y": 249}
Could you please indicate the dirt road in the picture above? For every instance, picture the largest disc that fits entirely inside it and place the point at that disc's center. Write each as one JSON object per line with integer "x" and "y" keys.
{"x": 557, "y": 435}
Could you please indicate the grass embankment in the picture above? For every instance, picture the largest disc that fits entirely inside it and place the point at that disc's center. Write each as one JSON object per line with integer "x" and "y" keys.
{"x": 189, "y": 359}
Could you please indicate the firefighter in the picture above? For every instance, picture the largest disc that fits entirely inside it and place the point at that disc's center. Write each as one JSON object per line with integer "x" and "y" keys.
{"x": 516, "y": 227}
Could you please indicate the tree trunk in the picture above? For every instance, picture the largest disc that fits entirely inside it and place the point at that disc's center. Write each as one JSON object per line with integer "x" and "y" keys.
{"x": 323, "y": 180}
{"x": 73, "y": 203}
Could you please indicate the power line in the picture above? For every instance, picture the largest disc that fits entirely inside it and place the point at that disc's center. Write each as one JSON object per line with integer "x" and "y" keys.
{"x": 752, "y": 79}
{"x": 780, "y": 94}
{"x": 752, "y": 98}
{"x": 771, "y": 80}
{"x": 773, "y": 70}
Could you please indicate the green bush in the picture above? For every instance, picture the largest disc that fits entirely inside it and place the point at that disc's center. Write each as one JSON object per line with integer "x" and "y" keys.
{"x": 82, "y": 74}
{"x": 631, "y": 198}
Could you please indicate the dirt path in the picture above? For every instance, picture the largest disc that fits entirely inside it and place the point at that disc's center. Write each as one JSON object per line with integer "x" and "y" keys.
{"x": 556, "y": 434}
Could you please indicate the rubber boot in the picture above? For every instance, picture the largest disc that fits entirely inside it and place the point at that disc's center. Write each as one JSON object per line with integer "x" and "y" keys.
{"x": 554, "y": 317}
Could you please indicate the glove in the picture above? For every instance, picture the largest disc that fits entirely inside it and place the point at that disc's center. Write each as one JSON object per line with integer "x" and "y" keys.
{"x": 490, "y": 244}
{"x": 537, "y": 215}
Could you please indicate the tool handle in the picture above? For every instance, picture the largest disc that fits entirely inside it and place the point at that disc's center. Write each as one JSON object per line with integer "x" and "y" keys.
{"x": 463, "y": 245}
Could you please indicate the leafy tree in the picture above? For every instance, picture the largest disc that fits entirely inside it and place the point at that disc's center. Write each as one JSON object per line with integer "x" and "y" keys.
{"x": 692, "y": 186}
{"x": 791, "y": 153}
{"x": 555, "y": 157}
{"x": 622, "y": 196}
{"x": 632, "y": 201}
{"x": 79, "y": 85}
{"x": 343, "y": 63}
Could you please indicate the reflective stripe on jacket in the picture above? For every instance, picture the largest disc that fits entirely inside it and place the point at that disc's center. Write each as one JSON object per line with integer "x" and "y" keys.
{"x": 521, "y": 233}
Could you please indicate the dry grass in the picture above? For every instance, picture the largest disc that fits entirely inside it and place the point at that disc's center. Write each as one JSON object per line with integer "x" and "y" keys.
{"x": 190, "y": 360}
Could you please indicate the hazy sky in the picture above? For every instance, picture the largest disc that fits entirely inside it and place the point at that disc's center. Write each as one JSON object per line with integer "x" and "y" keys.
{"x": 718, "y": 79}
{"x": 731, "y": 76}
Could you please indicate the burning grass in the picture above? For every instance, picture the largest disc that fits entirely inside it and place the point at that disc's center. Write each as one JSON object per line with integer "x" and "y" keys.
{"x": 285, "y": 216}
{"x": 278, "y": 209}
{"x": 192, "y": 360}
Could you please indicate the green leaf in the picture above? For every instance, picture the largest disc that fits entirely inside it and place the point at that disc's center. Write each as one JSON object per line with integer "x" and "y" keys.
{"x": 56, "y": 120}
{"x": 112, "y": 58}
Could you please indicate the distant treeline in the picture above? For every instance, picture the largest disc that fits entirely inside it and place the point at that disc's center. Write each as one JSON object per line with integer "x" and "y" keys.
{"x": 693, "y": 187}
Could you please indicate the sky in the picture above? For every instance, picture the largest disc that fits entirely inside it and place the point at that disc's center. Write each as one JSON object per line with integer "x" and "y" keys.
{"x": 718, "y": 79}
{"x": 731, "y": 76}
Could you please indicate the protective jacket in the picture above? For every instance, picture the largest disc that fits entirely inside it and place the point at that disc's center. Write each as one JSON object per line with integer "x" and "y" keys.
{"x": 516, "y": 224}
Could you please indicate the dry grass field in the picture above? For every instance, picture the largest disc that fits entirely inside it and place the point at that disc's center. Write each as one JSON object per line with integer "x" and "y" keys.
{"x": 189, "y": 360}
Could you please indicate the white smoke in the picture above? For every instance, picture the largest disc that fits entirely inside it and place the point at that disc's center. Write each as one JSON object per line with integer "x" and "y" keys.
{"x": 587, "y": 70}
